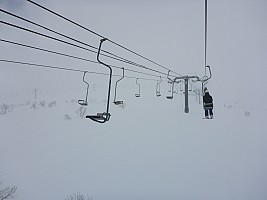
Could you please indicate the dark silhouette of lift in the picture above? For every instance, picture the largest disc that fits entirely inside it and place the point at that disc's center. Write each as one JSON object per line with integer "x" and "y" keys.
{"x": 158, "y": 88}
{"x": 116, "y": 102}
{"x": 84, "y": 102}
{"x": 138, "y": 94}
{"x": 105, "y": 116}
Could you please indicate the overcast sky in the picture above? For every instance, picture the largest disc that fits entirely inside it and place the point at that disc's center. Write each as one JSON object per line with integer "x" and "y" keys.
{"x": 168, "y": 32}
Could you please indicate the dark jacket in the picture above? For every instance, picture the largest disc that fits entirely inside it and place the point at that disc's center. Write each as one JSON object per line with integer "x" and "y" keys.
{"x": 207, "y": 101}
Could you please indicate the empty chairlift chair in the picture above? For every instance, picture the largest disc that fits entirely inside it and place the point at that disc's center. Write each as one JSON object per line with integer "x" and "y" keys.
{"x": 171, "y": 96}
{"x": 84, "y": 102}
{"x": 181, "y": 88}
{"x": 158, "y": 88}
{"x": 116, "y": 102}
{"x": 171, "y": 82}
{"x": 137, "y": 94}
{"x": 191, "y": 86}
{"x": 105, "y": 116}
{"x": 176, "y": 91}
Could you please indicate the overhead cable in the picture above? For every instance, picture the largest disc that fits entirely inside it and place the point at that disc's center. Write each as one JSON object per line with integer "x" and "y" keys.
{"x": 69, "y": 43}
{"x": 58, "y": 33}
{"x": 66, "y": 69}
{"x": 71, "y": 56}
{"x": 206, "y": 33}
{"x": 93, "y": 32}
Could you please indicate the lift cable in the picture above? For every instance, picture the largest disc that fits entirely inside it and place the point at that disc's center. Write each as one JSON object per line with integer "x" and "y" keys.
{"x": 63, "y": 35}
{"x": 68, "y": 69}
{"x": 59, "y": 40}
{"x": 87, "y": 29}
{"x": 206, "y": 33}
{"x": 48, "y": 29}
{"x": 46, "y": 50}
{"x": 71, "y": 56}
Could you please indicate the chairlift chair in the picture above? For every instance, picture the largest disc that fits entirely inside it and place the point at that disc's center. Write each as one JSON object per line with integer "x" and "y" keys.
{"x": 116, "y": 102}
{"x": 171, "y": 96}
{"x": 175, "y": 90}
{"x": 83, "y": 102}
{"x": 191, "y": 86}
{"x": 158, "y": 88}
{"x": 105, "y": 116}
{"x": 171, "y": 82}
{"x": 177, "y": 87}
{"x": 137, "y": 94}
{"x": 158, "y": 92}
{"x": 99, "y": 117}
{"x": 181, "y": 89}
{"x": 205, "y": 79}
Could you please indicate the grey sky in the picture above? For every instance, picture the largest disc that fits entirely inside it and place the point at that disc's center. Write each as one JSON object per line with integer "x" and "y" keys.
{"x": 12, "y": 4}
{"x": 150, "y": 149}
{"x": 168, "y": 32}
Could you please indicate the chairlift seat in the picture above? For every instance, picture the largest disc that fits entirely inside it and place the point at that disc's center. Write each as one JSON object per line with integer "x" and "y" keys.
{"x": 169, "y": 97}
{"x": 99, "y": 117}
{"x": 158, "y": 95}
{"x": 82, "y": 102}
{"x": 118, "y": 102}
{"x": 137, "y": 95}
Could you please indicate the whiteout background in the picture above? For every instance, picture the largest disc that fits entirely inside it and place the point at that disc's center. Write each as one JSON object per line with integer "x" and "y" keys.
{"x": 150, "y": 149}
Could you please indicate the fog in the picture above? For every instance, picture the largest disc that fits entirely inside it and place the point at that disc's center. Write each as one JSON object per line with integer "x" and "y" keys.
{"x": 150, "y": 149}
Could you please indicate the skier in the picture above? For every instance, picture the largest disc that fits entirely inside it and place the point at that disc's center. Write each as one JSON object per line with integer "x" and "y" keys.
{"x": 208, "y": 104}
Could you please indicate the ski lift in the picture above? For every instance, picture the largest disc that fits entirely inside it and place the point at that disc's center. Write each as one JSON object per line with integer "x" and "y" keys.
{"x": 115, "y": 101}
{"x": 171, "y": 96}
{"x": 175, "y": 90}
{"x": 138, "y": 94}
{"x": 105, "y": 116}
{"x": 181, "y": 87}
{"x": 205, "y": 79}
{"x": 191, "y": 86}
{"x": 177, "y": 87}
{"x": 171, "y": 82}
{"x": 158, "y": 88}
{"x": 81, "y": 101}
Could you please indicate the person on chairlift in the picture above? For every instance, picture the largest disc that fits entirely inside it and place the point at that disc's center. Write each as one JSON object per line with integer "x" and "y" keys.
{"x": 208, "y": 104}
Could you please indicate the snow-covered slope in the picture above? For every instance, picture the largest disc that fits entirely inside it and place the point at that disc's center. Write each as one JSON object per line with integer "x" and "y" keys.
{"x": 157, "y": 153}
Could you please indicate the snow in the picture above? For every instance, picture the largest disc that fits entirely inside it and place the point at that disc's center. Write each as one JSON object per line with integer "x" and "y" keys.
{"x": 150, "y": 149}
{"x": 153, "y": 153}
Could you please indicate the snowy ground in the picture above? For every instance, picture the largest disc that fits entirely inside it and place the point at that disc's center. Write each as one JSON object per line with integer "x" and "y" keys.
{"x": 158, "y": 153}
{"x": 151, "y": 149}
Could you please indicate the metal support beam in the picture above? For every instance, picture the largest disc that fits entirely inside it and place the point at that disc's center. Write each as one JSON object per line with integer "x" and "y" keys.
{"x": 186, "y": 79}
{"x": 186, "y": 108}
